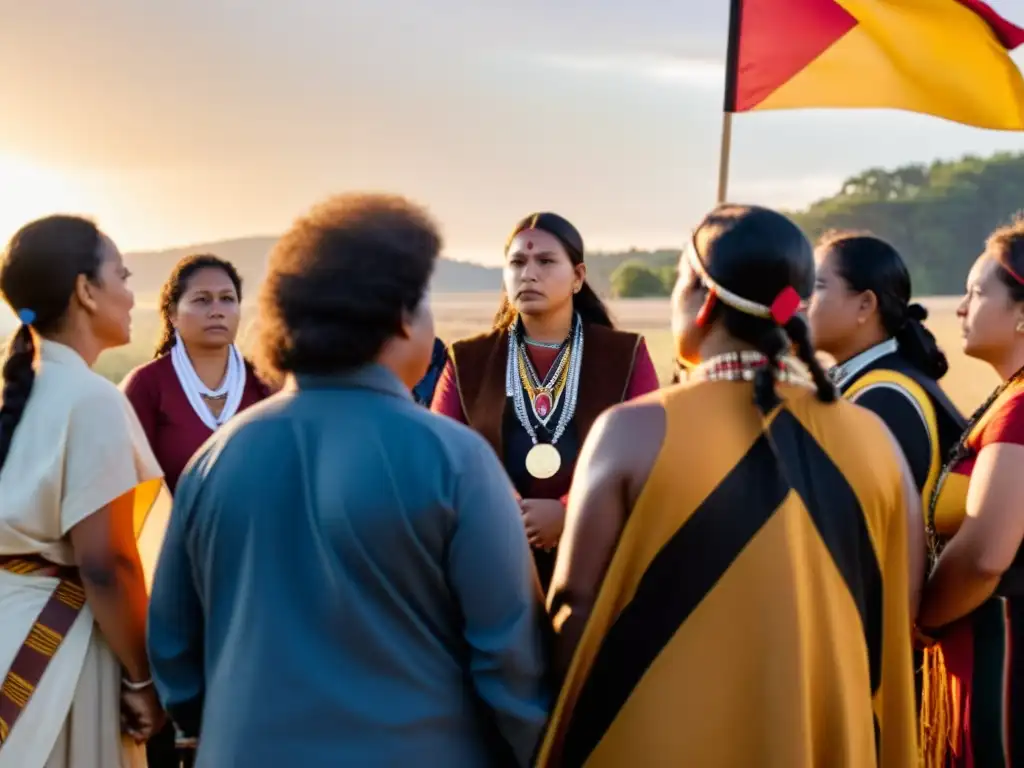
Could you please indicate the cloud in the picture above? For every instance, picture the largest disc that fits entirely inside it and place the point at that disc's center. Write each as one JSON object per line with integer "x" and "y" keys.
{"x": 676, "y": 70}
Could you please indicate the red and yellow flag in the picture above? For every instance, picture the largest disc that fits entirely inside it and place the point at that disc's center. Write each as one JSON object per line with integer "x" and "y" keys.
{"x": 948, "y": 58}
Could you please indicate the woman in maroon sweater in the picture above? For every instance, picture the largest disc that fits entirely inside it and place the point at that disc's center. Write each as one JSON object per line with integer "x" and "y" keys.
{"x": 198, "y": 379}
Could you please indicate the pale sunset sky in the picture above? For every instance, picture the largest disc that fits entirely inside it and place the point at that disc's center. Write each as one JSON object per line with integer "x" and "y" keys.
{"x": 194, "y": 120}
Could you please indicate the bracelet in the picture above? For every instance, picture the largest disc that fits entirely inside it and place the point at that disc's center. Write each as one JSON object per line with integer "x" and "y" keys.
{"x": 136, "y": 687}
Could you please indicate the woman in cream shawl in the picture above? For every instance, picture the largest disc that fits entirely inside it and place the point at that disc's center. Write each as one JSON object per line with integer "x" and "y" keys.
{"x": 77, "y": 479}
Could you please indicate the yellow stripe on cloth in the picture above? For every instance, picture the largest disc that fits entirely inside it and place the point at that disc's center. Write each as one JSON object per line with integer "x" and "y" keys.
{"x": 17, "y": 689}
{"x": 926, "y": 408}
{"x": 43, "y": 640}
{"x": 70, "y": 594}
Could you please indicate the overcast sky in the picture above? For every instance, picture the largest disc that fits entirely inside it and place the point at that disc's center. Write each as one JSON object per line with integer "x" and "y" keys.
{"x": 194, "y": 120}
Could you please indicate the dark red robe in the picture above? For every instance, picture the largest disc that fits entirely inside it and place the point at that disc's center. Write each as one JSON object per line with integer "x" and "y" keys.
{"x": 174, "y": 430}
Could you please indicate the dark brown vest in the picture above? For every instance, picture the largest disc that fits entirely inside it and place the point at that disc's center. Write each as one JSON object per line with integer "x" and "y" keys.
{"x": 608, "y": 359}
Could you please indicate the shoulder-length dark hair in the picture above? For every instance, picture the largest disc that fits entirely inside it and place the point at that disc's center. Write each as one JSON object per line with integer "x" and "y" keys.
{"x": 587, "y": 303}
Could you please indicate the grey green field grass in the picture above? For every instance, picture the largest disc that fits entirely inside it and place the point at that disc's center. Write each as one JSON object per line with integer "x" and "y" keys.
{"x": 460, "y": 315}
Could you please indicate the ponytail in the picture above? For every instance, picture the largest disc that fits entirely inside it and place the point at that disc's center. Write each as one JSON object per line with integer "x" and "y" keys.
{"x": 590, "y": 308}
{"x": 167, "y": 337}
{"x": 918, "y": 345}
{"x": 18, "y": 377}
{"x": 868, "y": 263}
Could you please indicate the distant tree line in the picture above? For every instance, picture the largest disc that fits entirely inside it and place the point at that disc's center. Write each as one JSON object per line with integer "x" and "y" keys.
{"x": 634, "y": 279}
{"x": 937, "y": 216}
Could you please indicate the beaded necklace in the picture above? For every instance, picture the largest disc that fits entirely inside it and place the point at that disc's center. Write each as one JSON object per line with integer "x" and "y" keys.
{"x": 743, "y": 366}
{"x": 562, "y": 381}
{"x": 959, "y": 452}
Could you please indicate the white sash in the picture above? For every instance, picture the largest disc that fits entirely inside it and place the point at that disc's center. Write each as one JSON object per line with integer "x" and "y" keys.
{"x": 233, "y": 384}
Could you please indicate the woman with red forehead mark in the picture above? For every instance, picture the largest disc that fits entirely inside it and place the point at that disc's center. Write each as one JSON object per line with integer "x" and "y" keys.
{"x": 534, "y": 384}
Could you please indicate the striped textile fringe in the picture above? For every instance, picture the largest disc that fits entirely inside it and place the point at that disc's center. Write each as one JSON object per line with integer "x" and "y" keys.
{"x": 937, "y": 709}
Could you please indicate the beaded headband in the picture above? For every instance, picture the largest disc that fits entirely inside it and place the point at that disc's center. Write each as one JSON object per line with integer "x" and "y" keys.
{"x": 781, "y": 310}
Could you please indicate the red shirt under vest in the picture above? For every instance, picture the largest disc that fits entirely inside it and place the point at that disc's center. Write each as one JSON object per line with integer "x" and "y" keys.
{"x": 174, "y": 430}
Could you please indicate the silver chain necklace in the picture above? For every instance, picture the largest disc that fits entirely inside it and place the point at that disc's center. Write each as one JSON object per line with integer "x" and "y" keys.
{"x": 543, "y": 344}
{"x": 544, "y": 460}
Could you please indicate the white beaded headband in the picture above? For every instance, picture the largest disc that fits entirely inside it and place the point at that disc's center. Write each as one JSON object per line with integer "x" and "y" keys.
{"x": 786, "y": 304}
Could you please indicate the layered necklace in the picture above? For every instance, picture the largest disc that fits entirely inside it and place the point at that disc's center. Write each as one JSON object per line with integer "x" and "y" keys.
{"x": 536, "y": 399}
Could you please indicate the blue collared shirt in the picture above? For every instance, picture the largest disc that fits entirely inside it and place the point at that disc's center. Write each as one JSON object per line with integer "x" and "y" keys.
{"x": 346, "y": 581}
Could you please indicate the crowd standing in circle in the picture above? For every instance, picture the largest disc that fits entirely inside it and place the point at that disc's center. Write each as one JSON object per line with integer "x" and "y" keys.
{"x": 514, "y": 549}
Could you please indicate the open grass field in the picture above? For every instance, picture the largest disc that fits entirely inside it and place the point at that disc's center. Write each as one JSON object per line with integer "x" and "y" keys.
{"x": 459, "y": 315}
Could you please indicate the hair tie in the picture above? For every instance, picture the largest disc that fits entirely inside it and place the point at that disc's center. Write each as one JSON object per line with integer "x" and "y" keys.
{"x": 917, "y": 312}
{"x": 27, "y": 316}
{"x": 786, "y": 304}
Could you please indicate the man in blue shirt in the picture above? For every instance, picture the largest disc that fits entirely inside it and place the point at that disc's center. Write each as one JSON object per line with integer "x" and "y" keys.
{"x": 345, "y": 579}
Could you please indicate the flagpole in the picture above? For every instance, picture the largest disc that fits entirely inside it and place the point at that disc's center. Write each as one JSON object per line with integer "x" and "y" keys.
{"x": 729, "y": 107}
{"x": 723, "y": 158}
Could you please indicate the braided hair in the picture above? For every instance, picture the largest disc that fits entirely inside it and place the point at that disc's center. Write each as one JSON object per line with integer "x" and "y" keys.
{"x": 759, "y": 254}
{"x": 38, "y": 276}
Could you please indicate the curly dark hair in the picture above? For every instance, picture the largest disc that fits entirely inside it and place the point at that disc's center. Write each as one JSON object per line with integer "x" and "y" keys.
{"x": 340, "y": 282}
{"x": 38, "y": 274}
{"x": 177, "y": 284}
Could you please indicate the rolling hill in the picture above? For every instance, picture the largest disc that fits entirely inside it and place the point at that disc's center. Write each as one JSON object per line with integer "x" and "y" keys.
{"x": 249, "y": 255}
{"x": 937, "y": 215}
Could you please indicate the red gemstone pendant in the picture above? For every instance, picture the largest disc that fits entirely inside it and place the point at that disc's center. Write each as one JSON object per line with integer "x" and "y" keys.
{"x": 542, "y": 404}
